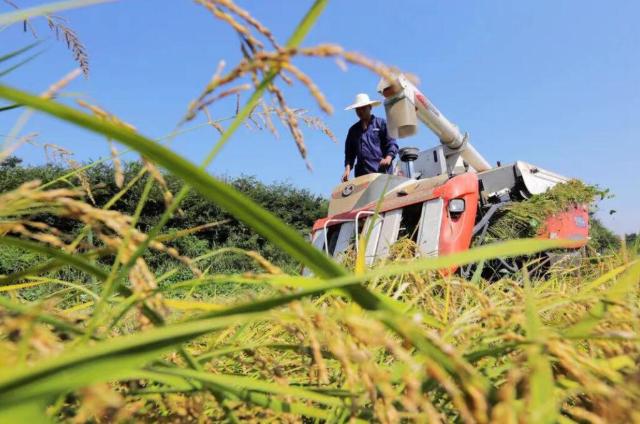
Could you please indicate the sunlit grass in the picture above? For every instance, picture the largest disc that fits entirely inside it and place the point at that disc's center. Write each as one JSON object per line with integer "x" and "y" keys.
{"x": 395, "y": 342}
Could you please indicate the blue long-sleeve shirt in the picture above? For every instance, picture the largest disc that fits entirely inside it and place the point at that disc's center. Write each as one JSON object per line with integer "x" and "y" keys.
{"x": 367, "y": 147}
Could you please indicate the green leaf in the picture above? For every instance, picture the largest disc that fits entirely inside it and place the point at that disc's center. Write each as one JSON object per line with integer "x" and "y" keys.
{"x": 45, "y": 9}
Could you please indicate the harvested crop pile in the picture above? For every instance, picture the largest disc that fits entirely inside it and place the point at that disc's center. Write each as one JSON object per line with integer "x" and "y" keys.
{"x": 524, "y": 219}
{"x": 405, "y": 248}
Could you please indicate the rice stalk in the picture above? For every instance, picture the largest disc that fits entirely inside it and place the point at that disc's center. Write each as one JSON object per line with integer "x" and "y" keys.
{"x": 398, "y": 342}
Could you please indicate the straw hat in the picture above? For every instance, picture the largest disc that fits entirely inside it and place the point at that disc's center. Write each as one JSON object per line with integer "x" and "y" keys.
{"x": 362, "y": 99}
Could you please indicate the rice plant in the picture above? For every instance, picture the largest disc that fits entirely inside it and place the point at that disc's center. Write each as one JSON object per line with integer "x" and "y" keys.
{"x": 398, "y": 342}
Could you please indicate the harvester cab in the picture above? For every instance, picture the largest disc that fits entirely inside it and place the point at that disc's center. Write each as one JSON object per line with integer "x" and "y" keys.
{"x": 442, "y": 198}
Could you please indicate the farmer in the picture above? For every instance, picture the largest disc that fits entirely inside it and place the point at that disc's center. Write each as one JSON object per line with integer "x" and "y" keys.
{"x": 368, "y": 145}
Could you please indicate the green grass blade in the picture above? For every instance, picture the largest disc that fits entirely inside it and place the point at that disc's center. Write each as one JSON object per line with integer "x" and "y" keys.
{"x": 48, "y": 266}
{"x": 17, "y": 52}
{"x": 307, "y": 23}
{"x": 173, "y": 382}
{"x": 229, "y": 349}
{"x": 606, "y": 277}
{"x": 39, "y": 316}
{"x": 36, "y": 281}
{"x": 506, "y": 249}
{"x": 252, "y": 384}
{"x": 75, "y": 261}
{"x": 402, "y": 325}
{"x": 10, "y": 107}
{"x": 253, "y": 392}
{"x": 23, "y": 62}
{"x": 104, "y": 361}
{"x": 38, "y": 269}
{"x": 542, "y": 406}
{"x": 457, "y": 367}
{"x": 493, "y": 351}
{"x": 45, "y": 9}
{"x": 60, "y": 257}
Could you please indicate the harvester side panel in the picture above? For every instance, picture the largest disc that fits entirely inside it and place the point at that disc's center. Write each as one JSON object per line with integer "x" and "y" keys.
{"x": 372, "y": 228}
{"x": 568, "y": 225}
{"x": 430, "y": 223}
{"x": 345, "y": 237}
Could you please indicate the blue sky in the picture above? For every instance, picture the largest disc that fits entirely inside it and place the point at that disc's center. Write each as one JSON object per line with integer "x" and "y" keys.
{"x": 554, "y": 83}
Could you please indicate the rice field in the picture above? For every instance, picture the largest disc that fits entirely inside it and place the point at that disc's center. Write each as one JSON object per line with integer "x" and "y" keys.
{"x": 398, "y": 342}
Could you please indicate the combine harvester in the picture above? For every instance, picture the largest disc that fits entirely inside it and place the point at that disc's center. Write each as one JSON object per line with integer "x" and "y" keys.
{"x": 443, "y": 198}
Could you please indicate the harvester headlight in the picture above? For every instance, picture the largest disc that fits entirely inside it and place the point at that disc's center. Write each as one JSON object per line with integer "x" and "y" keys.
{"x": 456, "y": 206}
{"x": 347, "y": 190}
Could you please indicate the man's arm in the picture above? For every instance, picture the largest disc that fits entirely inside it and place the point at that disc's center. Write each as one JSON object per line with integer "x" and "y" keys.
{"x": 345, "y": 174}
{"x": 349, "y": 156}
{"x": 389, "y": 146}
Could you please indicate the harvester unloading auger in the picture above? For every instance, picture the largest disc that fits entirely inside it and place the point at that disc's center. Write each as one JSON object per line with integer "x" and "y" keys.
{"x": 443, "y": 198}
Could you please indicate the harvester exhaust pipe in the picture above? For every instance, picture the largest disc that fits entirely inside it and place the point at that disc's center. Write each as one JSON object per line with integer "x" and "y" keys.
{"x": 404, "y": 104}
